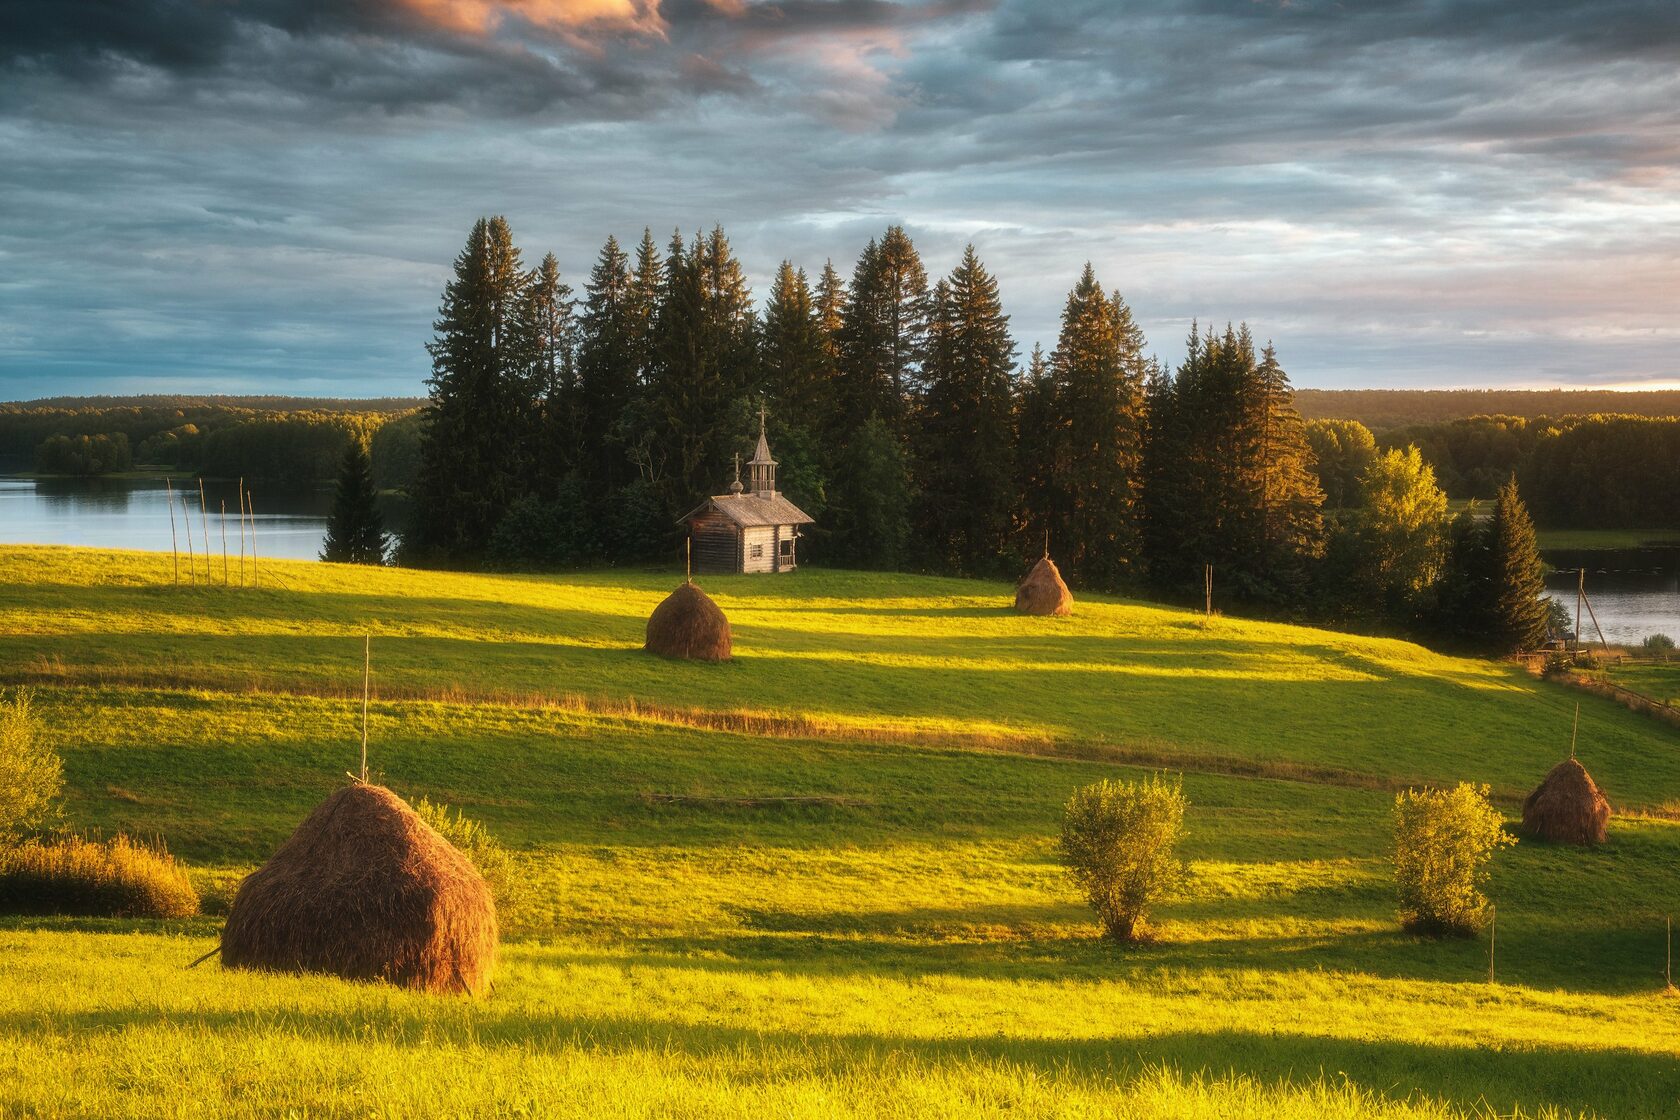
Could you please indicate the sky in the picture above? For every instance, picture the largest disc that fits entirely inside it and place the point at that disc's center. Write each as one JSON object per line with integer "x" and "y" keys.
{"x": 238, "y": 196}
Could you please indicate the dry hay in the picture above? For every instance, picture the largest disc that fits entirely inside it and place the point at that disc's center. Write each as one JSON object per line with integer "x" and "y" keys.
{"x": 1568, "y": 807}
{"x": 1043, "y": 592}
{"x": 366, "y": 890}
{"x": 690, "y": 626}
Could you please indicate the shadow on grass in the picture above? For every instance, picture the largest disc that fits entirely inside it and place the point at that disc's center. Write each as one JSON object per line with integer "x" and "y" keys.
{"x": 1609, "y": 1082}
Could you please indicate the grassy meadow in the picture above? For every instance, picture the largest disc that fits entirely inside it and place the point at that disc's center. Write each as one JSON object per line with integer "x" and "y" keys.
{"x": 899, "y": 940}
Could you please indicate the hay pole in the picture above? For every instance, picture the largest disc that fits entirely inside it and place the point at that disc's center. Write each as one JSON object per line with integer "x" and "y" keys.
{"x": 1602, "y": 640}
{"x": 174, "y": 548}
{"x": 1207, "y": 580}
{"x": 1668, "y": 963}
{"x": 204, "y": 524}
{"x": 224, "y": 543}
{"x": 251, "y": 505}
{"x": 1575, "y": 730}
{"x": 688, "y": 559}
{"x": 367, "y": 677}
{"x": 242, "y": 531}
{"x": 1580, "y": 593}
{"x": 1493, "y": 937}
{"x": 205, "y": 957}
{"x": 192, "y": 561}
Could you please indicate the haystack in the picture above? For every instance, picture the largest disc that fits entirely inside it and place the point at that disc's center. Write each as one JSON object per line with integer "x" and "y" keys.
{"x": 366, "y": 890}
{"x": 1568, "y": 807}
{"x": 1043, "y": 591}
{"x": 690, "y": 626}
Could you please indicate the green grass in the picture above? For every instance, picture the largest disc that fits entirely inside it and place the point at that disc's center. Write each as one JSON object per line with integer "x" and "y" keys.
{"x": 903, "y": 943}
{"x": 1590, "y": 539}
{"x": 1658, "y": 680}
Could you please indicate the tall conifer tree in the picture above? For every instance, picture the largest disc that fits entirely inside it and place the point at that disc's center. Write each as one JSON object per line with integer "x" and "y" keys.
{"x": 468, "y": 472}
{"x": 355, "y": 529}
{"x": 884, "y": 335}
{"x": 965, "y": 455}
{"x": 1098, "y": 367}
{"x": 606, "y": 365}
{"x": 548, "y": 335}
{"x": 1519, "y": 614}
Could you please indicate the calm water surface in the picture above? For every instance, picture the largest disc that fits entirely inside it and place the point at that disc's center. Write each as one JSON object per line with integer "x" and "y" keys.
{"x": 135, "y": 513}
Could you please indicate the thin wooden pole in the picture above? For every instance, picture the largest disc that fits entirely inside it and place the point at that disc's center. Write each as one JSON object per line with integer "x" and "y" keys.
{"x": 204, "y": 524}
{"x": 1668, "y": 964}
{"x": 224, "y": 543}
{"x": 367, "y": 678}
{"x": 1576, "y": 730}
{"x": 242, "y": 532}
{"x": 1207, "y": 578}
{"x": 1580, "y": 593}
{"x": 192, "y": 560}
{"x": 174, "y": 548}
{"x": 1592, "y": 614}
{"x": 688, "y": 560}
{"x": 251, "y": 505}
{"x": 1493, "y": 937}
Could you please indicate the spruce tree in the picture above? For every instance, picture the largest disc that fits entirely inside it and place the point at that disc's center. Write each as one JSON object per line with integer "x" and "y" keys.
{"x": 1099, "y": 367}
{"x": 1038, "y": 440}
{"x": 469, "y": 468}
{"x": 355, "y": 529}
{"x": 646, "y": 283}
{"x": 1518, "y": 614}
{"x": 1288, "y": 519}
{"x": 795, "y": 360}
{"x": 706, "y": 365}
{"x": 548, "y": 333}
{"x": 606, "y": 370}
{"x": 965, "y": 455}
{"x": 884, "y": 334}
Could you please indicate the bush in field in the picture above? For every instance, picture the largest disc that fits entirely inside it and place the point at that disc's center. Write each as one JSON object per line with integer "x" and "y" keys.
{"x": 511, "y": 891}
{"x": 1443, "y": 843}
{"x": 115, "y": 878}
{"x": 1118, "y": 841}
{"x": 31, "y": 775}
{"x": 1658, "y": 645}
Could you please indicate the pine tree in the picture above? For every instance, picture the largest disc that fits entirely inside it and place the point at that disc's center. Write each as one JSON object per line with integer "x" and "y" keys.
{"x": 1288, "y": 502}
{"x": 1465, "y": 592}
{"x": 884, "y": 334}
{"x": 646, "y": 283}
{"x": 1099, "y": 368}
{"x": 548, "y": 335}
{"x": 1038, "y": 440}
{"x": 606, "y": 370}
{"x": 706, "y": 365}
{"x": 795, "y": 360}
{"x": 1518, "y": 614}
{"x": 965, "y": 455}
{"x": 468, "y": 472}
{"x": 355, "y": 529}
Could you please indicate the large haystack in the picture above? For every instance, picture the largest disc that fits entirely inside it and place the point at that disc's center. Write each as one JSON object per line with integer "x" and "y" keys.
{"x": 688, "y": 625}
{"x": 366, "y": 890}
{"x": 1568, "y": 807}
{"x": 1043, "y": 591}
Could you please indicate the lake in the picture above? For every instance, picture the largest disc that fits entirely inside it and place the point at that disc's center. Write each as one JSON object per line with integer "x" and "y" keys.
{"x": 1634, "y": 591}
{"x": 135, "y": 513}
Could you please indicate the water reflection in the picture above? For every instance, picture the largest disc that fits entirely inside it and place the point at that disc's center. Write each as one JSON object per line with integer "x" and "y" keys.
{"x": 1635, "y": 592}
{"x": 290, "y": 522}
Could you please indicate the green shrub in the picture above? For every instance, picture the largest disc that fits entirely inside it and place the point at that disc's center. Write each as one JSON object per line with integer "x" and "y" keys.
{"x": 1118, "y": 841}
{"x": 31, "y": 776}
{"x": 511, "y": 890}
{"x": 1443, "y": 842}
{"x": 116, "y": 878}
{"x": 1658, "y": 644}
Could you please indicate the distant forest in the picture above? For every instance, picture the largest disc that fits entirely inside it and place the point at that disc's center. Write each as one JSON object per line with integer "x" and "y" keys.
{"x": 1382, "y": 410}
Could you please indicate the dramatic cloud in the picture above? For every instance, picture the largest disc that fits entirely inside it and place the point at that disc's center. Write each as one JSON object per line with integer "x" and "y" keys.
{"x": 266, "y": 194}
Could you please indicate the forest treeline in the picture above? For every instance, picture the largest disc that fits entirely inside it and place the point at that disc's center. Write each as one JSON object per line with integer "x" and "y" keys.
{"x": 568, "y": 428}
{"x": 1382, "y": 410}
{"x": 212, "y": 436}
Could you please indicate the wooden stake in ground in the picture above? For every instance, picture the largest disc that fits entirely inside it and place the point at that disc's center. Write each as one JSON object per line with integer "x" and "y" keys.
{"x": 1207, "y": 579}
{"x": 1493, "y": 936}
{"x": 174, "y": 549}
{"x": 251, "y": 507}
{"x": 204, "y": 524}
{"x": 1573, "y": 731}
{"x": 224, "y": 543}
{"x": 242, "y": 532}
{"x": 186, "y": 520}
{"x": 688, "y": 560}
{"x": 1668, "y": 964}
{"x": 1580, "y": 593}
{"x": 367, "y": 678}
